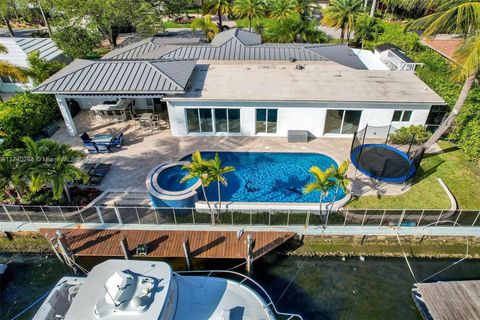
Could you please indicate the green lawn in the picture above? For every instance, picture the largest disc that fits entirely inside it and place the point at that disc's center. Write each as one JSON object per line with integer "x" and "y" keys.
{"x": 460, "y": 175}
{"x": 173, "y": 24}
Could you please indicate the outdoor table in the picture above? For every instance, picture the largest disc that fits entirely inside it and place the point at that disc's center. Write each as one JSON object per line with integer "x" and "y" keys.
{"x": 146, "y": 116}
{"x": 102, "y": 139}
{"x": 121, "y": 105}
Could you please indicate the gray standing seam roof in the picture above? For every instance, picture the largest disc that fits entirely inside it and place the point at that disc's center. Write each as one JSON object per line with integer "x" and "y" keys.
{"x": 117, "y": 77}
{"x": 45, "y": 47}
{"x": 138, "y": 49}
{"x": 235, "y": 44}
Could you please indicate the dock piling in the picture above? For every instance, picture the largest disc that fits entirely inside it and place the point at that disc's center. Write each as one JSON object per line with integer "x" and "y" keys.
{"x": 186, "y": 251}
{"x": 250, "y": 246}
{"x": 124, "y": 247}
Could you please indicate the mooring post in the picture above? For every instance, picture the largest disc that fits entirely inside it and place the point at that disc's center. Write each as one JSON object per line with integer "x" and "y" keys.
{"x": 250, "y": 246}
{"x": 65, "y": 251}
{"x": 124, "y": 247}
{"x": 186, "y": 251}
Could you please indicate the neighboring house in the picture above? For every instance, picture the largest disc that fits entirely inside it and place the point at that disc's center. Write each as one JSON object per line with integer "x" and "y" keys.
{"x": 394, "y": 58}
{"x": 238, "y": 86}
{"x": 18, "y": 50}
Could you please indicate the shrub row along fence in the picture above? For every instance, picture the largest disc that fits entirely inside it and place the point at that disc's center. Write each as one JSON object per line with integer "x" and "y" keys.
{"x": 273, "y": 217}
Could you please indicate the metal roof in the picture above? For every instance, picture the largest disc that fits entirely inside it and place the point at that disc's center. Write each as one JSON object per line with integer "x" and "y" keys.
{"x": 120, "y": 77}
{"x": 244, "y": 37}
{"x": 137, "y": 50}
{"x": 45, "y": 47}
{"x": 235, "y": 44}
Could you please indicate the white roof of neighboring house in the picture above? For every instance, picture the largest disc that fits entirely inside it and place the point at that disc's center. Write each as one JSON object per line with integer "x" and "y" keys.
{"x": 19, "y": 48}
{"x": 324, "y": 81}
{"x": 370, "y": 60}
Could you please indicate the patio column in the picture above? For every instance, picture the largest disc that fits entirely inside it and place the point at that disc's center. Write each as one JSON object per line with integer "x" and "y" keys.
{"x": 67, "y": 117}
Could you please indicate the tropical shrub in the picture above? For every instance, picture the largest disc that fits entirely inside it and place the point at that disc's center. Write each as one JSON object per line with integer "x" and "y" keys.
{"x": 76, "y": 42}
{"x": 26, "y": 114}
{"x": 404, "y": 135}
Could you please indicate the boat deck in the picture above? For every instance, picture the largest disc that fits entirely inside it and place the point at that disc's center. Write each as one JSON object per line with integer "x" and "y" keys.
{"x": 458, "y": 300}
{"x": 168, "y": 244}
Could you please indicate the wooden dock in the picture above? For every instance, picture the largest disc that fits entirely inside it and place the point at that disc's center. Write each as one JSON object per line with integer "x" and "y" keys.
{"x": 458, "y": 300}
{"x": 168, "y": 244}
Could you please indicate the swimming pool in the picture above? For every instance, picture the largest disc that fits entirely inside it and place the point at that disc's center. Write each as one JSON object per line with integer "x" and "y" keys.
{"x": 262, "y": 177}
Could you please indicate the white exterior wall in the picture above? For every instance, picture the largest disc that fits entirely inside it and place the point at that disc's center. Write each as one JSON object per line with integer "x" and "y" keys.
{"x": 296, "y": 116}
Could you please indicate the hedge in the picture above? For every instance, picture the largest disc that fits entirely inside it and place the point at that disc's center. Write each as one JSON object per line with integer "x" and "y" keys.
{"x": 26, "y": 114}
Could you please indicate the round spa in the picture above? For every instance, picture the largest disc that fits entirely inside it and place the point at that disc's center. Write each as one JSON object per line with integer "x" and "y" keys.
{"x": 165, "y": 189}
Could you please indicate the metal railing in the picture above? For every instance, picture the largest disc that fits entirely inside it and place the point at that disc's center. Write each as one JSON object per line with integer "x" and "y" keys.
{"x": 254, "y": 217}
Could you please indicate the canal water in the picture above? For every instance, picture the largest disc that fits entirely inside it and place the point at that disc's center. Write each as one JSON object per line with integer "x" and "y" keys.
{"x": 323, "y": 288}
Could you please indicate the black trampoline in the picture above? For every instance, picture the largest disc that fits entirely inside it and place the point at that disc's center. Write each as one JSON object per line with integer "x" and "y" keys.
{"x": 380, "y": 161}
{"x": 383, "y": 163}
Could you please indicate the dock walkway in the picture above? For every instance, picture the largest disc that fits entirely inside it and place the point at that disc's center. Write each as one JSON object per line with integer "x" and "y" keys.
{"x": 458, "y": 300}
{"x": 168, "y": 243}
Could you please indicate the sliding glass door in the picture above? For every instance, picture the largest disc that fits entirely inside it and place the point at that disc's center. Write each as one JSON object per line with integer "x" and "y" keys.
{"x": 342, "y": 121}
{"x": 213, "y": 120}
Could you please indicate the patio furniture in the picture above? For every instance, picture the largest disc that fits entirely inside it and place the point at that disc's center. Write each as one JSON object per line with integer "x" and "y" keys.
{"x": 103, "y": 148}
{"x": 145, "y": 120}
{"x": 118, "y": 141}
{"x": 297, "y": 135}
{"x": 103, "y": 139}
{"x": 91, "y": 147}
{"x": 85, "y": 138}
{"x": 95, "y": 180}
{"x": 101, "y": 169}
{"x": 87, "y": 167}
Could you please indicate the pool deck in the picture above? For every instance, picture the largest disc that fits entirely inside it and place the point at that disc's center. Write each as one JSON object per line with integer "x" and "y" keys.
{"x": 144, "y": 149}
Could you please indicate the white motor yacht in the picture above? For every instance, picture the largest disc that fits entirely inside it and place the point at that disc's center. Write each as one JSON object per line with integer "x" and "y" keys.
{"x": 134, "y": 289}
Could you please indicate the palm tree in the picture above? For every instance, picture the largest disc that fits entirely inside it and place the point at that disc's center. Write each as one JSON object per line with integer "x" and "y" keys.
{"x": 463, "y": 18}
{"x": 51, "y": 165}
{"x": 306, "y": 8}
{"x": 367, "y": 28}
{"x": 341, "y": 181}
{"x": 217, "y": 173}
{"x": 9, "y": 70}
{"x": 207, "y": 26}
{"x": 250, "y": 9}
{"x": 199, "y": 168}
{"x": 341, "y": 14}
{"x": 8, "y": 177}
{"x": 294, "y": 29}
{"x": 280, "y": 9}
{"x": 218, "y": 7}
{"x": 323, "y": 183}
{"x": 41, "y": 69}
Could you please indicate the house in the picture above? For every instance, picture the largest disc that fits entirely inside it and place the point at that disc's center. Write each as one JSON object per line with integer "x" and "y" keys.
{"x": 395, "y": 58}
{"x": 238, "y": 86}
{"x": 18, "y": 50}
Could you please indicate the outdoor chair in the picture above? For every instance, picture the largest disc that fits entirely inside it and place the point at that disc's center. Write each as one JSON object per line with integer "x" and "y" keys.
{"x": 118, "y": 141}
{"x": 91, "y": 147}
{"x": 101, "y": 170}
{"x": 103, "y": 148}
{"x": 87, "y": 167}
{"x": 85, "y": 138}
{"x": 95, "y": 180}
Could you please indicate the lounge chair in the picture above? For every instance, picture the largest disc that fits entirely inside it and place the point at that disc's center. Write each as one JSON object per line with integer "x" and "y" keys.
{"x": 101, "y": 170}
{"x": 95, "y": 180}
{"x": 87, "y": 167}
{"x": 91, "y": 147}
{"x": 103, "y": 148}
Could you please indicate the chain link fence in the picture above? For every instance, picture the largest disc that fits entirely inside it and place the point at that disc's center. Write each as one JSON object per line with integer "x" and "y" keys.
{"x": 272, "y": 217}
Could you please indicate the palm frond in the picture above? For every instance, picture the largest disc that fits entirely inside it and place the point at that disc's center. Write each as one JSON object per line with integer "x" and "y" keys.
{"x": 467, "y": 57}
{"x": 9, "y": 70}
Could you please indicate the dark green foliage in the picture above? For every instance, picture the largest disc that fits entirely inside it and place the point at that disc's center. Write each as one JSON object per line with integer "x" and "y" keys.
{"x": 26, "y": 114}
{"x": 404, "y": 135}
{"x": 437, "y": 73}
{"x": 76, "y": 42}
{"x": 293, "y": 29}
{"x": 41, "y": 69}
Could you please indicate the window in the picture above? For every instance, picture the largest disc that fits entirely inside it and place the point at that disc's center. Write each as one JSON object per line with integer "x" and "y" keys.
{"x": 7, "y": 79}
{"x": 266, "y": 121}
{"x": 401, "y": 116}
{"x": 213, "y": 120}
{"x": 342, "y": 121}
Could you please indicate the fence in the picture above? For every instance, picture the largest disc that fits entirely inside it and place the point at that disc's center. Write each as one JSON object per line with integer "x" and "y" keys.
{"x": 272, "y": 217}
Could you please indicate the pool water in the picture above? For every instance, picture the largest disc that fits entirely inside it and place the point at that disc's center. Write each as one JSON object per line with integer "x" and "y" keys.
{"x": 170, "y": 178}
{"x": 265, "y": 177}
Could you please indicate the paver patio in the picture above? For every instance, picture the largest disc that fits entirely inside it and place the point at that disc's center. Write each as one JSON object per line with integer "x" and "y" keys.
{"x": 144, "y": 149}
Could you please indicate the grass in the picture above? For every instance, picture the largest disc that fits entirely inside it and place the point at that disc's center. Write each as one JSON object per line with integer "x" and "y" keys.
{"x": 386, "y": 247}
{"x": 26, "y": 242}
{"x": 460, "y": 175}
{"x": 173, "y": 24}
